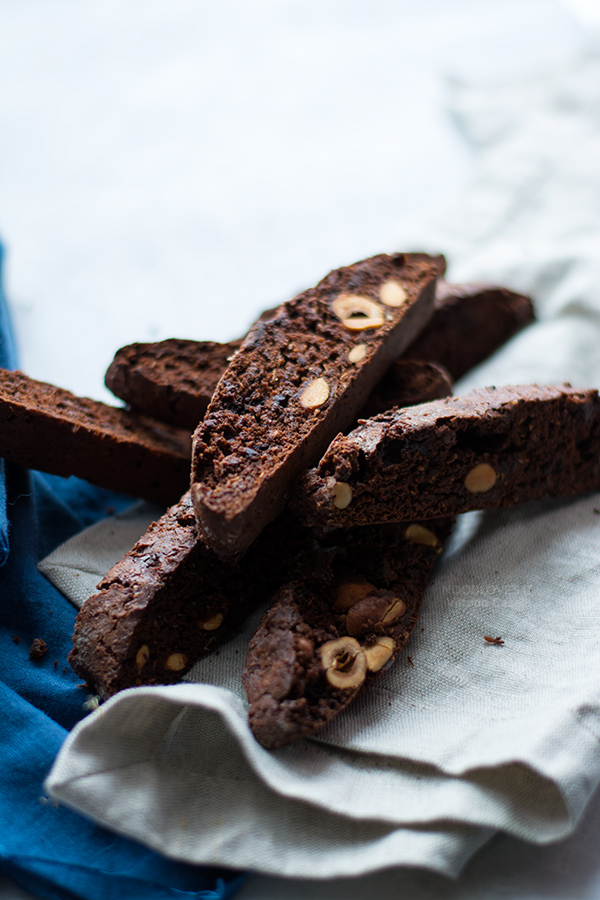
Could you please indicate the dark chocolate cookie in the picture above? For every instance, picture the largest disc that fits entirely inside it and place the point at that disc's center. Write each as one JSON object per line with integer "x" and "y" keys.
{"x": 296, "y": 381}
{"x": 491, "y": 448}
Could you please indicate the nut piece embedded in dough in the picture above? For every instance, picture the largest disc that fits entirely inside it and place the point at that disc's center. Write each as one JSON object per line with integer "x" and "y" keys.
{"x": 358, "y": 313}
{"x": 315, "y": 394}
{"x": 379, "y": 653}
{"x": 481, "y": 478}
{"x": 418, "y": 534}
{"x": 211, "y": 624}
{"x": 344, "y": 662}
{"x": 142, "y": 657}
{"x": 392, "y": 294}
{"x": 342, "y": 495}
{"x": 380, "y": 608}
{"x": 176, "y": 662}
{"x": 357, "y": 354}
{"x": 350, "y": 592}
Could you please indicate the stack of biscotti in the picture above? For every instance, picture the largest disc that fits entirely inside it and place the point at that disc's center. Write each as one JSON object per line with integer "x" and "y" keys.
{"x": 271, "y": 405}
{"x": 309, "y": 413}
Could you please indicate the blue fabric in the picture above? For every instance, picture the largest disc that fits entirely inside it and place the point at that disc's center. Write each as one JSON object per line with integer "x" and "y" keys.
{"x": 8, "y": 360}
{"x": 52, "y": 851}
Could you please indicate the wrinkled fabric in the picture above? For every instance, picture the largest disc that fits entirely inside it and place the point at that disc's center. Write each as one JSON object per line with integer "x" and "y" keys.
{"x": 468, "y": 738}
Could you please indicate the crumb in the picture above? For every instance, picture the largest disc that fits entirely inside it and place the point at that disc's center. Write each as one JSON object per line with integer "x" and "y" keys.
{"x": 110, "y": 510}
{"x": 597, "y": 511}
{"x": 37, "y": 649}
{"x": 55, "y": 663}
{"x": 410, "y": 661}
{"x": 16, "y": 639}
{"x": 492, "y": 640}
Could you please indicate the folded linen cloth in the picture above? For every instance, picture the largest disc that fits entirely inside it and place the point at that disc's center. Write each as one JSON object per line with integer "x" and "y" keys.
{"x": 470, "y": 738}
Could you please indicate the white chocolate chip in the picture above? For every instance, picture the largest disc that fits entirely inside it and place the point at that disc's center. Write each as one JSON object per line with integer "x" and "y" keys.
{"x": 480, "y": 479}
{"x": 211, "y": 624}
{"x": 315, "y": 394}
{"x": 342, "y": 495}
{"x": 418, "y": 534}
{"x": 176, "y": 662}
{"x": 358, "y": 313}
{"x": 142, "y": 657}
{"x": 392, "y": 294}
{"x": 357, "y": 354}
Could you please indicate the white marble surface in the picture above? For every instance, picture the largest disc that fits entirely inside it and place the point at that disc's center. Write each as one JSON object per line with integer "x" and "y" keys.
{"x": 171, "y": 167}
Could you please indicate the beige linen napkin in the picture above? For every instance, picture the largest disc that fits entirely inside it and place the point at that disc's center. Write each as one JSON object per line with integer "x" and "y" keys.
{"x": 464, "y": 738}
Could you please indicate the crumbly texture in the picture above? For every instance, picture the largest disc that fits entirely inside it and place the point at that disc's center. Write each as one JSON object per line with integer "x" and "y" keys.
{"x": 156, "y": 595}
{"x": 171, "y": 380}
{"x": 471, "y": 321}
{"x": 298, "y": 380}
{"x": 170, "y": 600}
{"x": 288, "y": 664}
{"x": 38, "y": 649}
{"x": 491, "y": 448}
{"x": 407, "y": 381}
{"x": 47, "y": 428}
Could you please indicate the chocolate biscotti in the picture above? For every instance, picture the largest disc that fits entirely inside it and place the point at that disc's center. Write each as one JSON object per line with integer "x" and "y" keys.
{"x": 298, "y": 380}
{"x": 327, "y": 637}
{"x": 47, "y": 428}
{"x": 174, "y": 380}
{"x": 471, "y": 321}
{"x": 170, "y": 600}
{"x": 171, "y": 380}
{"x": 491, "y": 448}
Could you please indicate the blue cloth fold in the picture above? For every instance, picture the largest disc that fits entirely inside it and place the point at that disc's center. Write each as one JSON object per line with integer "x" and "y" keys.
{"x": 8, "y": 360}
{"x": 52, "y": 851}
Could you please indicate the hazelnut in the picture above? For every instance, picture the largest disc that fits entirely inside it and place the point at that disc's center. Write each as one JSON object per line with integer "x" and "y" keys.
{"x": 379, "y": 653}
{"x": 480, "y": 479}
{"x": 395, "y": 612}
{"x": 350, "y": 592}
{"x": 418, "y": 534}
{"x": 176, "y": 662}
{"x": 357, "y": 353}
{"x": 392, "y": 294}
{"x": 380, "y": 608}
{"x": 315, "y": 394}
{"x": 142, "y": 657}
{"x": 211, "y": 624}
{"x": 358, "y": 313}
{"x": 342, "y": 495}
{"x": 344, "y": 662}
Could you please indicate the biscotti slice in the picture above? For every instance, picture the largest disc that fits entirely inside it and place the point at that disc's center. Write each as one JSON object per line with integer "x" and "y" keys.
{"x": 170, "y": 600}
{"x": 491, "y": 448}
{"x": 471, "y": 321}
{"x": 407, "y": 382}
{"x": 48, "y": 428}
{"x": 296, "y": 381}
{"x": 171, "y": 380}
{"x": 328, "y": 637}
